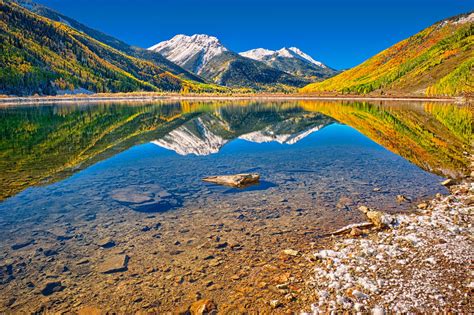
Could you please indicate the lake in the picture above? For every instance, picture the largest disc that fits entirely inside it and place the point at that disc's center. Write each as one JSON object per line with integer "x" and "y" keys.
{"x": 104, "y": 204}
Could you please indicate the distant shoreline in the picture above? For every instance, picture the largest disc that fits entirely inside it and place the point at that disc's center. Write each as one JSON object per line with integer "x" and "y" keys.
{"x": 32, "y": 100}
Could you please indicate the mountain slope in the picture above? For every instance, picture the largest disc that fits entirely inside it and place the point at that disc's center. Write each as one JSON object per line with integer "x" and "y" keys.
{"x": 292, "y": 60}
{"x": 40, "y": 56}
{"x": 204, "y": 55}
{"x": 138, "y": 52}
{"x": 437, "y": 61}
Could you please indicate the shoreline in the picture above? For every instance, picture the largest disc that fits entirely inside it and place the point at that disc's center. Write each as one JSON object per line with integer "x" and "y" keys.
{"x": 33, "y": 100}
{"x": 414, "y": 263}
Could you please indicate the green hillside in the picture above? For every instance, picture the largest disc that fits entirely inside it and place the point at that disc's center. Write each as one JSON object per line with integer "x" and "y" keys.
{"x": 437, "y": 61}
{"x": 40, "y": 56}
{"x": 109, "y": 40}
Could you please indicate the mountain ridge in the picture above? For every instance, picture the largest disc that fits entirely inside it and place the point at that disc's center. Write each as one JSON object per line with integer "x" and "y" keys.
{"x": 437, "y": 61}
{"x": 292, "y": 60}
{"x": 205, "y": 55}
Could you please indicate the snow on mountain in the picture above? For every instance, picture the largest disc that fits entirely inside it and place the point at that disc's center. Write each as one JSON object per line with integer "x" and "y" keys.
{"x": 257, "y": 54}
{"x": 184, "y": 142}
{"x": 197, "y": 49}
{"x": 262, "y": 54}
{"x": 268, "y": 135}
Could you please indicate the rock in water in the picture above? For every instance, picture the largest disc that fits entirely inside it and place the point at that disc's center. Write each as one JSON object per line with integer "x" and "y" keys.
{"x": 238, "y": 180}
{"x": 402, "y": 198}
{"x": 117, "y": 263}
{"x": 52, "y": 287}
{"x": 202, "y": 307}
{"x": 22, "y": 244}
{"x": 106, "y": 243}
{"x": 130, "y": 196}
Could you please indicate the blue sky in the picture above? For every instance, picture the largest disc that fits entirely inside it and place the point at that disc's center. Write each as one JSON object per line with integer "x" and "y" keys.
{"x": 341, "y": 33}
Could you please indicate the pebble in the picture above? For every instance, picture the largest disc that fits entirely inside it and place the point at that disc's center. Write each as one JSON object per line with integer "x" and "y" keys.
{"x": 447, "y": 183}
{"x": 290, "y": 252}
{"x": 378, "y": 311}
{"x": 422, "y": 206}
{"x": 202, "y": 307}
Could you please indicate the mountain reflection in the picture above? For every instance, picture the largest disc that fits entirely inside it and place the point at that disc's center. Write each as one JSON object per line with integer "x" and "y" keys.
{"x": 43, "y": 144}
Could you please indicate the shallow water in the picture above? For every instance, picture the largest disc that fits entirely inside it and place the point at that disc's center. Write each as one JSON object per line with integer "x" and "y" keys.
{"x": 132, "y": 173}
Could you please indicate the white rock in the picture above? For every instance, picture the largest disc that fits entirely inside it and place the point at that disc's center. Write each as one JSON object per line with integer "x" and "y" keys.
{"x": 359, "y": 295}
{"x": 378, "y": 311}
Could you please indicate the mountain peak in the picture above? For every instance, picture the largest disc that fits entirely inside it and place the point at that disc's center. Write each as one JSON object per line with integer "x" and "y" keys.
{"x": 195, "y": 51}
{"x": 262, "y": 54}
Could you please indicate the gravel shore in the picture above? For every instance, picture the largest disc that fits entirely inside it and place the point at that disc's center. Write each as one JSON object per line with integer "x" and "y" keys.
{"x": 420, "y": 262}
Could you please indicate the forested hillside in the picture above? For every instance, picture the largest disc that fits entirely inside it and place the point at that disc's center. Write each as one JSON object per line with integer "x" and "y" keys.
{"x": 138, "y": 52}
{"x": 38, "y": 55}
{"x": 438, "y": 61}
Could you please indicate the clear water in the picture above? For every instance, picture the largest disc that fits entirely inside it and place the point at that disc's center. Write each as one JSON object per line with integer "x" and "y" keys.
{"x": 128, "y": 169}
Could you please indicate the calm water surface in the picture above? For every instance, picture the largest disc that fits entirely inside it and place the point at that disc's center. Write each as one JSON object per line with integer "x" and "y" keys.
{"x": 76, "y": 177}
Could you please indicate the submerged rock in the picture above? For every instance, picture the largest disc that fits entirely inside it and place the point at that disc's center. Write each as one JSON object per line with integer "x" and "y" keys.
{"x": 52, "y": 287}
{"x": 149, "y": 200}
{"x": 106, "y": 243}
{"x": 131, "y": 196}
{"x": 402, "y": 198}
{"x": 22, "y": 244}
{"x": 117, "y": 263}
{"x": 238, "y": 180}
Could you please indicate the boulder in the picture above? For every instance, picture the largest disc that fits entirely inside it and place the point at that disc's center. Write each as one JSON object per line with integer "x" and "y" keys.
{"x": 238, "y": 180}
{"x": 376, "y": 217}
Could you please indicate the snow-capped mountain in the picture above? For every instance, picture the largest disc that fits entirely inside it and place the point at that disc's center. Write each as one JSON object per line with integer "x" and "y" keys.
{"x": 205, "y": 56}
{"x": 262, "y": 54}
{"x": 192, "y": 52}
{"x": 196, "y": 139}
{"x": 204, "y": 135}
{"x": 269, "y": 135}
{"x": 291, "y": 60}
